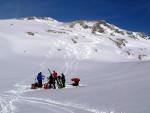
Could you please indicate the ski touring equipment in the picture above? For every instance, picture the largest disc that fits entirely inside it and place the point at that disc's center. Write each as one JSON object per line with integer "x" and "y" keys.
{"x": 49, "y": 71}
{"x": 33, "y": 86}
{"x": 60, "y": 85}
{"x": 46, "y": 86}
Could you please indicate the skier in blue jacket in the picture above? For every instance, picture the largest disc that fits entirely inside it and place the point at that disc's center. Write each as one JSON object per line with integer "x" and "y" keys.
{"x": 39, "y": 78}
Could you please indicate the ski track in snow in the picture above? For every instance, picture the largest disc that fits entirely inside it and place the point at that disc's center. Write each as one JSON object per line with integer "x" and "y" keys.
{"x": 73, "y": 57}
{"x": 79, "y": 54}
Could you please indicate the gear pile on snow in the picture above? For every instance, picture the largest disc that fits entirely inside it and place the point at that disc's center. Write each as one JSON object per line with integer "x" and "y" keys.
{"x": 53, "y": 79}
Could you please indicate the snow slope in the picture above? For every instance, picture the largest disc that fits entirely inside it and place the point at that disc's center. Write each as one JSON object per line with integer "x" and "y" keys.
{"x": 114, "y": 69}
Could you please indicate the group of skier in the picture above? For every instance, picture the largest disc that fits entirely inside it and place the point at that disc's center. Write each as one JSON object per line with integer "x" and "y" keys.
{"x": 53, "y": 79}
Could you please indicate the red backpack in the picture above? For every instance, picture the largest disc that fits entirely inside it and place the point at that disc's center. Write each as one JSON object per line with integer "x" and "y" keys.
{"x": 46, "y": 86}
{"x": 33, "y": 86}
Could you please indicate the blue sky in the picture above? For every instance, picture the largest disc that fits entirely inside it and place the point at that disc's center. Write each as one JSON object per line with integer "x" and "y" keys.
{"x": 133, "y": 15}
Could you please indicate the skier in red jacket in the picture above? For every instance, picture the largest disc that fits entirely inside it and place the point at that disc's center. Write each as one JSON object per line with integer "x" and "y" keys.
{"x": 76, "y": 81}
{"x": 55, "y": 76}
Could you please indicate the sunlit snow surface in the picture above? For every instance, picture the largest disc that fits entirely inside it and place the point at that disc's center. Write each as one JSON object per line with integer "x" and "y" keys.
{"x": 111, "y": 80}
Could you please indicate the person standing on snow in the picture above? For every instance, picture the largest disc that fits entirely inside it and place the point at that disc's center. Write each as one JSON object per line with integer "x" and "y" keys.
{"x": 55, "y": 76}
{"x": 63, "y": 79}
{"x": 52, "y": 82}
{"x": 39, "y": 78}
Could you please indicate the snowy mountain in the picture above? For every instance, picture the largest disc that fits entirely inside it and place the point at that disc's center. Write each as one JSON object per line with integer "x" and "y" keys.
{"x": 112, "y": 63}
{"x": 102, "y": 38}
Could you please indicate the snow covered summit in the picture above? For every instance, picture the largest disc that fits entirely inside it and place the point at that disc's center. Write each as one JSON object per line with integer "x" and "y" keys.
{"x": 84, "y": 39}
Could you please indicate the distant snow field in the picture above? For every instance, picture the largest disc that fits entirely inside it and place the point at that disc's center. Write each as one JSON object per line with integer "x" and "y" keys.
{"x": 113, "y": 65}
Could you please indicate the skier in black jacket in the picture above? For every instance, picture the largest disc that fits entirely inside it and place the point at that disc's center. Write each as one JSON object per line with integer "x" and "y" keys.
{"x": 63, "y": 79}
{"x": 52, "y": 81}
